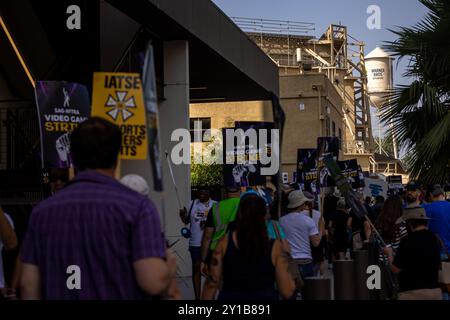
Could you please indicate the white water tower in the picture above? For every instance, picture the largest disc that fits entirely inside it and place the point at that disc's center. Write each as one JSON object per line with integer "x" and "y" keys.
{"x": 380, "y": 80}
{"x": 379, "y": 76}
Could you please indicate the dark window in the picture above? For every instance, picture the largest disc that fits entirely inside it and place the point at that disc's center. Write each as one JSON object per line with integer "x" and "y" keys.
{"x": 203, "y": 124}
{"x": 334, "y": 129}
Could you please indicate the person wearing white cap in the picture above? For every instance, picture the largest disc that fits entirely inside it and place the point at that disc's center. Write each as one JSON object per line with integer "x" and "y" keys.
{"x": 136, "y": 183}
{"x": 301, "y": 231}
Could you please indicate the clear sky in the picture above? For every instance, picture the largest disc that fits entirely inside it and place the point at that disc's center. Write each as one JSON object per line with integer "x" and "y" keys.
{"x": 351, "y": 13}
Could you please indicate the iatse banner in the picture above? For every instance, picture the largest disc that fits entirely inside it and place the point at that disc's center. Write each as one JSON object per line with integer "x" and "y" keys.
{"x": 118, "y": 98}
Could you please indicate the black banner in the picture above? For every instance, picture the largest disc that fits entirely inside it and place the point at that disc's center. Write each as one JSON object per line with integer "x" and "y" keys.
{"x": 246, "y": 174}
{"x": 151, "y": 105}
{"x": 306, "y": 169}
{"x": 62, "y": 106}
{"x": 351, "y": 171}
{"x": 326, "y": 146}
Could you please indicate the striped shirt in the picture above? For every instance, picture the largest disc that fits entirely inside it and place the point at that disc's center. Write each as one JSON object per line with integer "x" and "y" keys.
{"x": 98, "y": 225}
{"x": 400, "y": 233}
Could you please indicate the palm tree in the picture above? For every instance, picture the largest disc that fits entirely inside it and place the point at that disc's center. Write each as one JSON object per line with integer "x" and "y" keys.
{"x": 420, "y": 112}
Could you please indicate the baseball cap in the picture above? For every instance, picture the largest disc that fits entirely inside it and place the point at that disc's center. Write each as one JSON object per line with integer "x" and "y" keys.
{"x": 437, "y": 190}
{"x": 412, "y": 186}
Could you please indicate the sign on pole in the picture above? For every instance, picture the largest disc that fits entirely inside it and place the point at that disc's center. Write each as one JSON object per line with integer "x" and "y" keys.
{"x": 306, "y": 169}
{"x": 326, "y": 146}
{"x": 350, "y": 170}
{"x": 246, "y": 169}
{"x": 118, "y": 98}
{"x": 375, "y": 187}
{"x": 151, "y": 105}
{"x": 62, "y": 106}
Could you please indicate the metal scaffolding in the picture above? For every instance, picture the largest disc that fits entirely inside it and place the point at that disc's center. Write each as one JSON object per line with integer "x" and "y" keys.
{"x": 336, "y": 54}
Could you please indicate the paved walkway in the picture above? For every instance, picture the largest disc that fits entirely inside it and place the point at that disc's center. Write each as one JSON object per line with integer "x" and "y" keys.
{"x": 187, "y": 290}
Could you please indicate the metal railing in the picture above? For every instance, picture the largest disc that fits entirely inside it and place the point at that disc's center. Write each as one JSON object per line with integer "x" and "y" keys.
{"x": 356, "y": 147}
{"x": 279, "y": 27}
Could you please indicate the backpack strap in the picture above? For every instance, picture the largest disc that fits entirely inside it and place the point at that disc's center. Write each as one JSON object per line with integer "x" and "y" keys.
{"x": 216, "y": 214}
{"x": 190, "y": 208}
{"x": 277, "y": 231}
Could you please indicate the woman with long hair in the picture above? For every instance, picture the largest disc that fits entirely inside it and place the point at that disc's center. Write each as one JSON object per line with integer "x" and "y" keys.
{"x": 392, "y": 229}
{"x": 247, "y": 264}
{"x": 390, "y": 225}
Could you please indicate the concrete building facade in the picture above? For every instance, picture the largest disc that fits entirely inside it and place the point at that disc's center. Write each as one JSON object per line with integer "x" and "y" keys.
{"x": 200, "y": 56}
{"x": 312, "y": 106}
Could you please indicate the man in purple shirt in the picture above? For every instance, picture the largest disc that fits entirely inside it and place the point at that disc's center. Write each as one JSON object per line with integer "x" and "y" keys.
{"x": 95, "y": 239}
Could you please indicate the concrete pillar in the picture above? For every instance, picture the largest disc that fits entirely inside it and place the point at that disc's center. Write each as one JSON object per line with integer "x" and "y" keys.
{"x": 361, "y": 263}
{"x": 344, "y": 281}
{"x": 174, "y": 114}
{"x": 316, "y": 289}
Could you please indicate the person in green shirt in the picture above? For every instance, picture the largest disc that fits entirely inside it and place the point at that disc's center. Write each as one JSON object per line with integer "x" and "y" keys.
{"x": 219, "y": 217}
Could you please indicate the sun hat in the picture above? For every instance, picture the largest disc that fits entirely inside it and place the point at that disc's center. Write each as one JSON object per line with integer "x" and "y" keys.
{"x": 297, "y": 199}
{"x": 416, "y": 213}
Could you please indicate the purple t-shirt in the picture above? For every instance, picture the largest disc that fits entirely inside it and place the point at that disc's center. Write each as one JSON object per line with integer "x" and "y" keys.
{"x": 100, "y": 226}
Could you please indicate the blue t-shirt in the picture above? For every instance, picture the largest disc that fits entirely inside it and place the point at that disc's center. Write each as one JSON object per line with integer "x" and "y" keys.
{"x": 271, "y": 231}
{"x": 439, "y": 213}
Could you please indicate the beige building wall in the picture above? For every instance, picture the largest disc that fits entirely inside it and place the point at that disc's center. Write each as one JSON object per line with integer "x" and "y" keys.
{"x": 225, "y": 114}
{"x": 311, "y": 104}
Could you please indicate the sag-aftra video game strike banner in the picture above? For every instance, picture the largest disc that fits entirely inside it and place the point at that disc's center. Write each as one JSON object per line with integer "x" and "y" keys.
{"x": 306, "y": 169}
{"x": 62, "y": 106}
{"x": 118, "y": 98}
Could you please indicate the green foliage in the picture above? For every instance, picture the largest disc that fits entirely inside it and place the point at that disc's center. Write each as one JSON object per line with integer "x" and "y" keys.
{"x": 420, "y": 112}
{"x": 203, "y": 175}
{"x": 207, "y": 174}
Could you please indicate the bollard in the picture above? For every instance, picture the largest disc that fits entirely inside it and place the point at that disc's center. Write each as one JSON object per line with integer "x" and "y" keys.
{"x": 344, "y": 280}
{"x": 361, "y": 258}
{"x": 316, "y": 288}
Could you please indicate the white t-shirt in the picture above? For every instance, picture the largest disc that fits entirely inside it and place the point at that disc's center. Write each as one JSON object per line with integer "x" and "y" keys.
{"x": 199, "y": 213}
{"x": 315, "y": 216}
{"x": 2, "y": 275}
{"x": 298, "y": 228}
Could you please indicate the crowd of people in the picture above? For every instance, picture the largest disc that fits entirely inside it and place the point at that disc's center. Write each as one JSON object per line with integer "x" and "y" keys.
{"x": 100, "y": 238}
